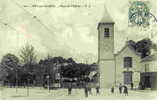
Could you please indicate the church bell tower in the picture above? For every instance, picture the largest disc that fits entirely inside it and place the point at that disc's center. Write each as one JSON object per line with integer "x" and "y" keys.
{"x": 106, "y": 60}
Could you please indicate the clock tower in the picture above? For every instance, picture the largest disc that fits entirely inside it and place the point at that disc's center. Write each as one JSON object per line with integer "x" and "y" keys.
{"x": 106, "y": 59}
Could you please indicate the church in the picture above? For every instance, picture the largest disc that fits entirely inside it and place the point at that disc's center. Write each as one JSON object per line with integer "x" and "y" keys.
{"x": 126, "y": 66}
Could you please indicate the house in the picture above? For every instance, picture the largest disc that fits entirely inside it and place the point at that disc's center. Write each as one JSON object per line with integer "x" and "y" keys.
{"x": 128, "y": 66}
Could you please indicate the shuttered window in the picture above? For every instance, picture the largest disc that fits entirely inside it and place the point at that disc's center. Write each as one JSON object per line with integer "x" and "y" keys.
{"x": 127, "y": 62}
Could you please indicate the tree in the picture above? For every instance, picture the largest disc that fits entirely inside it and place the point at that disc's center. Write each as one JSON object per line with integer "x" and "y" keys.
{"x": 28, "y": 55}
{"x": 9, "y": 65}
{"x": 9, "y": 62}
{"x": 75, "y": 70}
{"x": 132, "y": 44}
{"x": 143, "y": 47}
{"x": 70, "y": 60}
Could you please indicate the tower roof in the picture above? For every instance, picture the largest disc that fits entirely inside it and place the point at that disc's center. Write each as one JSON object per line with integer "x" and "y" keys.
{"x": 106, "y": 17}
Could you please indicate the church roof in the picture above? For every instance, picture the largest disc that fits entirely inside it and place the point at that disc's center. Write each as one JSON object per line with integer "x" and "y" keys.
{"x": 130, "y": 47}
{"x": 152, "y": 57}
{"x": 106, "y": 17}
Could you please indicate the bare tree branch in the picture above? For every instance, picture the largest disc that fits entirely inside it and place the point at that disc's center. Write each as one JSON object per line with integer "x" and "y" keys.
{"x": 28, "y": 55}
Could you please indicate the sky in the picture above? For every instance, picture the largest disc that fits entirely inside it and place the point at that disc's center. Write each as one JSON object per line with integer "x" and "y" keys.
{"x": 65, "y": 31}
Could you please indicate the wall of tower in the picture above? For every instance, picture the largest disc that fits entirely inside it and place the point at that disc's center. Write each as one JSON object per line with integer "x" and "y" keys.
{"x": 106, "y": 56}
{"x": 105, "y": 43}
{"x": 107, "y": 73}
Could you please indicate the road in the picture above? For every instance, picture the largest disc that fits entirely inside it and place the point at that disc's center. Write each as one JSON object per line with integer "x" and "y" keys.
{"x": 77, "y": 94}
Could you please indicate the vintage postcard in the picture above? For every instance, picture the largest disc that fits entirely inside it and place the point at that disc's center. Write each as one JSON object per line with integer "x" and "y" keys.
{"x": 78, "y": 49}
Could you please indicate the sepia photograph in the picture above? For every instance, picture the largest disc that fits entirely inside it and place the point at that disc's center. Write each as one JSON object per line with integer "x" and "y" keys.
{"x": 78, "y": 49}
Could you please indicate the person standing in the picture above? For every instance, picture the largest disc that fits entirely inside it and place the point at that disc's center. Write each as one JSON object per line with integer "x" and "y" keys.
{"x": 132, "y": 86}
{"x": 125, "y": 90}
{"x": 86, "y": 91}
{"x": 97, "y": 89}
{"x": 90, "y": 90}
{"x": 120, "y": 88}
{"x": 143, "y": 85}
{"x": 112, "y": 89}
{"x": 69, "y": 90}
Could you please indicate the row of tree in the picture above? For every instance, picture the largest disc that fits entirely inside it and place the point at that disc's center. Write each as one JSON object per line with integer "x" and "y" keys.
{"x": 17, "y": 70}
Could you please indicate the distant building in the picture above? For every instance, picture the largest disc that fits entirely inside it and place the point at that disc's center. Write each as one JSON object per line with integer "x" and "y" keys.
{"x": 149, "y": 71}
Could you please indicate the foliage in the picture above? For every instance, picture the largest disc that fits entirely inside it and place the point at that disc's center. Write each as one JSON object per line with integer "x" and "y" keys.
{"x": 144, "y": 47}
{"x": 9, "y": 66}
{"x": 132, "y": 44}
{"x": 75, "y": 70}
{"x": 10, "y": 62}
{"x": 68, "y": 67}
{"x": 33, "y": 71}
{"x": 28, "y": 55}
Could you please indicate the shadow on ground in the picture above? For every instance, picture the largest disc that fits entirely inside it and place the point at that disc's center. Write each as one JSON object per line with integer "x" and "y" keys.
{"x": 18, "y": 96}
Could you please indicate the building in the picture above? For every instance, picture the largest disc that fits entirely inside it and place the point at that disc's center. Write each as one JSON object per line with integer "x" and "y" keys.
{"x": 149, "y": 71}
{"x": 126, "y": 66}
{"x": 106, "y": 58}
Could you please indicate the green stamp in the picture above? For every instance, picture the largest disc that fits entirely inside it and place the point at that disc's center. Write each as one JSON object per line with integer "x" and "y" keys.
{"x": 139, "y": 13}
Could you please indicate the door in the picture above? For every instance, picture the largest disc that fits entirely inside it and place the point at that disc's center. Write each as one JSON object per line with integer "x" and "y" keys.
{"x": 127, "y": 77}
{"x": 147, "y": 82}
